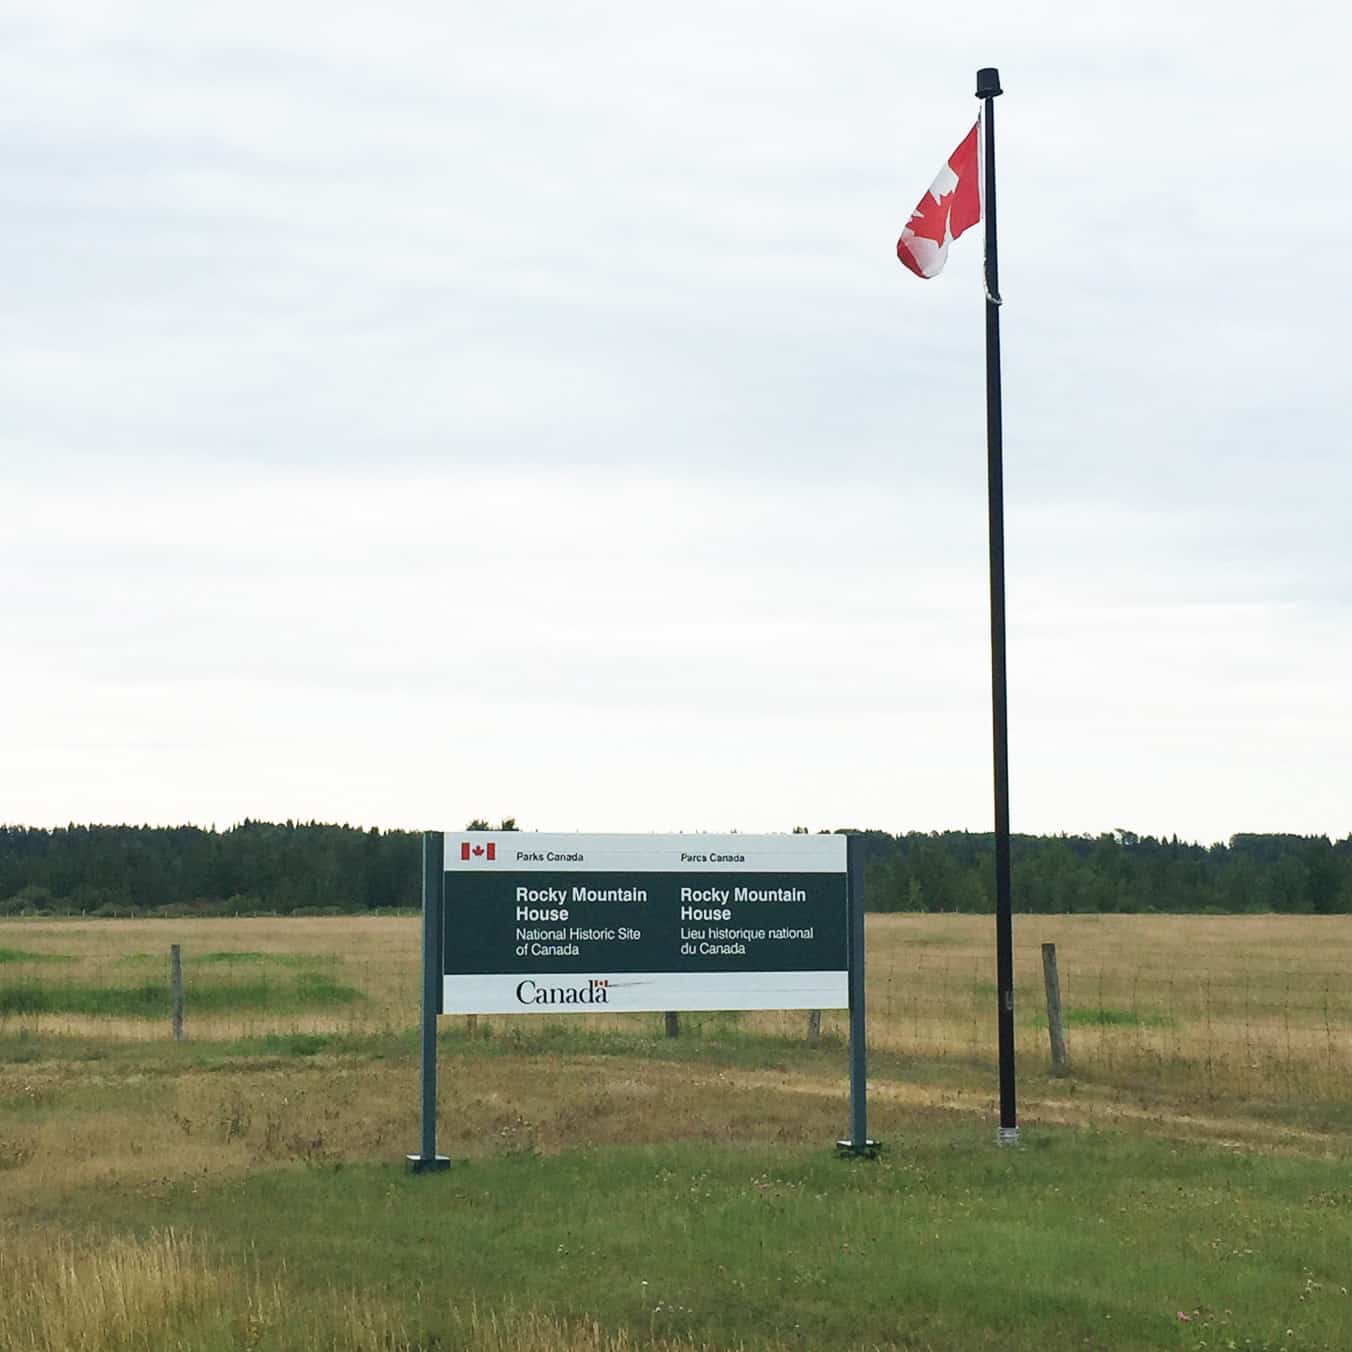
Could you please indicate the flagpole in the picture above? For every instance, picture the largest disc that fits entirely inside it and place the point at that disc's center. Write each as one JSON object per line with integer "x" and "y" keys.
{"x": 988, "y": 90}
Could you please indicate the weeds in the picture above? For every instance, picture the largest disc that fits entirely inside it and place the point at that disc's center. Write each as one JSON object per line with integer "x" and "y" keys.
{"x": 615, "y": 1189}
{"x": 153, "y": 999}
{"x": 1119, "y": 1018}
{"x": 169, "y": 1291}
{"x": 297, "y": 1044}
{"x": 232, "y": 957}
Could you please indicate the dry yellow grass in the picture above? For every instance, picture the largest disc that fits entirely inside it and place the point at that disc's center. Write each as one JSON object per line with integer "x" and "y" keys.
{"x": 379, "y": 956}
{"x": 165, "y": 1292}
{"x": 1221, "y": 1009}
{"x": 117, "y": 1293}
{"x": 1244, "y": 1005}
{"x": 1218, "y": 1011}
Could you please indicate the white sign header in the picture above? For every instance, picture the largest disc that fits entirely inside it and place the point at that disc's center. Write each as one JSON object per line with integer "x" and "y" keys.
{"x": 552, "y": 852}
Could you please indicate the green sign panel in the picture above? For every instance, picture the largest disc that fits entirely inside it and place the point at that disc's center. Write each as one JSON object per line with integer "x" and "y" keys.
{"x": 550, "y": 923}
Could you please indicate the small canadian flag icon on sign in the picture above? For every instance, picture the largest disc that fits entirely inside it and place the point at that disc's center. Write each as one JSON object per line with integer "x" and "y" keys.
{"x": 468, "y": 851}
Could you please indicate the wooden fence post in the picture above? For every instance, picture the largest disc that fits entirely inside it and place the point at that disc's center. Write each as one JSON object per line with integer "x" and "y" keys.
{"x": 673, "y": 1023}
{"x": 814, "y": 1025}
{"x": 1055, "y": 1028}
{"x": 176, "y": 981}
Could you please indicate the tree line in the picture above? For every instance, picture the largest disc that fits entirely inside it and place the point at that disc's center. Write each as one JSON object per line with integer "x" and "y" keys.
{"x": 315, "y": 867}
{"x": 1115, "y": 871}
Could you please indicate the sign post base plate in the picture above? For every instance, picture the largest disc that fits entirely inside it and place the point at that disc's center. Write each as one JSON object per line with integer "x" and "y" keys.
{"x": 419, "y": 1164}
{"x": 870, "y": 1150}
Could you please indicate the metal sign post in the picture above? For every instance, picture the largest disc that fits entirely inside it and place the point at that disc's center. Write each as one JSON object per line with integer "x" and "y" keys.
{"x": 544, "y": 923}
{"x": 427, "y": 1161}
{"x": 859, "y": 1144}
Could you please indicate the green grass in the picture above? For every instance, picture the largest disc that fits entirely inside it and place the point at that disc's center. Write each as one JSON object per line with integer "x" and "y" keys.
{"x": 168, "y": 1058}
{"x": 947, "y": 1243}
{"x": 681, "y": 1189}
{"x": 24, "y": 1047}
{"x": 1335, "y": 1118}
{"x": 1112, "y": 1018}
{"x": 153, "y": 1000}
{"x": 1102, "y": 1018}
{"x": 14, "y": 955}
{"x": 722, "y": 1230}
{"x": 934, "y": 941}
{"x": 273, "y": 959}
{"x": 296, "y": 1044}
{"x": 228, "y": 958}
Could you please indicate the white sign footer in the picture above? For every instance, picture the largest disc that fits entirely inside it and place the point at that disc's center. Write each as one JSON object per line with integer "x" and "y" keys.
{"x": 635, "y": 992}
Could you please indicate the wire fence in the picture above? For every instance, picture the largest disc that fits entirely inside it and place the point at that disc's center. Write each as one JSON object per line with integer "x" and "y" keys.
{"x": 1264, "y": 1012}
{"x": 1200, "y": 1031}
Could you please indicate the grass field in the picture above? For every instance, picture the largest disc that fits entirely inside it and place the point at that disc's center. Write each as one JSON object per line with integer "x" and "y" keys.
{"x": 1185, "y": 1187}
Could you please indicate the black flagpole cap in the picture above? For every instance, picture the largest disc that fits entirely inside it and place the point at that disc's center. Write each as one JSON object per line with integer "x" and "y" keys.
{"x": 988, "y": 83}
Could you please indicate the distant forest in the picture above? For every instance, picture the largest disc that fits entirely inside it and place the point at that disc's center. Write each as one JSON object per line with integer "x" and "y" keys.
{"x": 312, "y": 868}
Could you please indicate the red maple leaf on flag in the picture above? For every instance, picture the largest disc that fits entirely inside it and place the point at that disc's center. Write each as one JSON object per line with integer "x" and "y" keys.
{"x": 952, "y": 205}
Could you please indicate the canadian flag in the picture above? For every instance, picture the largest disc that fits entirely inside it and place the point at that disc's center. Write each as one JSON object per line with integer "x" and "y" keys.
{"x": 952, "y": 204}
{"x": 468, "y": 851}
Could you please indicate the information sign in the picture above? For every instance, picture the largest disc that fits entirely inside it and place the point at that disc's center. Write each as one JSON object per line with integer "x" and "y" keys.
{"x": 552, "y": 924}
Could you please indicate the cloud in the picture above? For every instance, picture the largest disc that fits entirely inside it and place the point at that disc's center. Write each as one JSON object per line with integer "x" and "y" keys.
{"x": 545, "y": 377}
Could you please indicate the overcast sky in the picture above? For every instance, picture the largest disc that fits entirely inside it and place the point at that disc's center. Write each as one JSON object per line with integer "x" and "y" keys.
{"x": 415, "y": 412}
